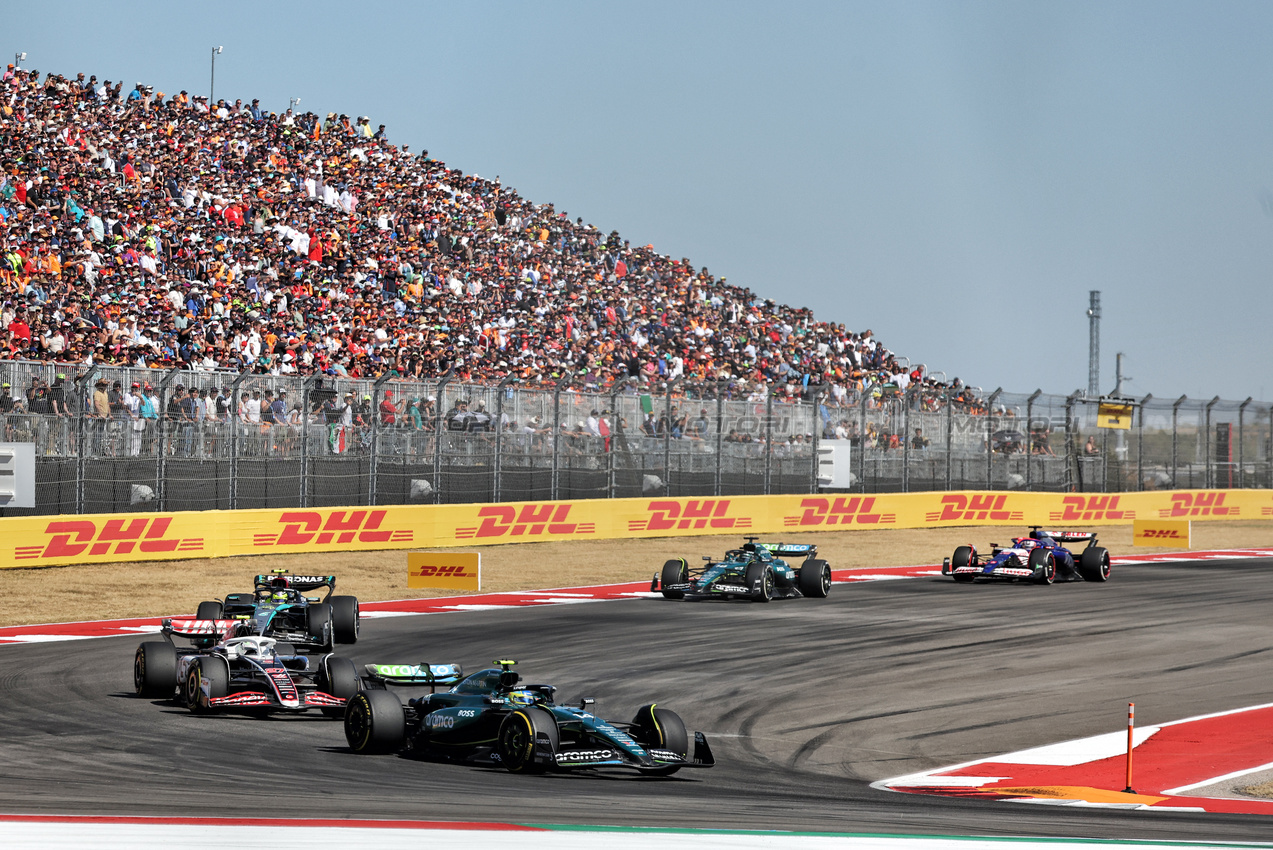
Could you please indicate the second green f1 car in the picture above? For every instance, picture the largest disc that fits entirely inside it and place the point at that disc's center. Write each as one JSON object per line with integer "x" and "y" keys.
{"x": 757, "y": 571}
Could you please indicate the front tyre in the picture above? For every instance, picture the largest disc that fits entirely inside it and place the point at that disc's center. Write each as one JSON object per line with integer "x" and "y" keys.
{"x": 318, "y": 625}
{"x": 675, "y": 571}
{"x": 340, "y": 679}
{"x": 375, "y": 722}
{"x": 662, "y": 729}
{"x": 761, "y": 579}
{"x": 217, "y": 671}
{"x": 1044, "y": 565}
{"x": 815, "y": 579}
{"x": 155, "y": 669}
{"x": 344, "y": 619}
{"x": 520, "y": 735}
{"x": 1094, "y": 564}
{"x": 962, "y": 558}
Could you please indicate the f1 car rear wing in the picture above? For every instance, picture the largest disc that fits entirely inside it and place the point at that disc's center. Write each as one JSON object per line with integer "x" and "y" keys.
{"x": 1088, "y": 537}
{"x": 779, "y": 550}
{"x": 432, "y": 675}
{"x": 301, "y": 583}
{"x": 199, "y": 630}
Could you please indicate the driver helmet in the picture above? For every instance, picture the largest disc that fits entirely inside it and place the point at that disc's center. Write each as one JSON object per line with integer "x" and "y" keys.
{"x": 278, "y": 595}
{"x": 1028, "y": 543}
{"x": 522, "y": 697}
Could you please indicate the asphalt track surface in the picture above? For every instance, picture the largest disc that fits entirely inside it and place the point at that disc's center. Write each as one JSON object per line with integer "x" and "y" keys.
{"x": 805, "y": 703}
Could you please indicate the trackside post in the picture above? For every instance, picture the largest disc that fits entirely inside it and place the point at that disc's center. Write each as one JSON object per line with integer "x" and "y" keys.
{"x": 1131, "y": 729}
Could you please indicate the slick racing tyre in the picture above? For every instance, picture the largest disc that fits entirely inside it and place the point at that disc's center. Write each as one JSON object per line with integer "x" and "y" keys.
{"x": 318, "y": 624}
{"x": 209, "y": 611}
{"x": 760, "y": 573}
{"x": 340, "y": 679}
{"x": 661, "y": 729}
{"x": 961, "y": 558}
{"x": 519, "y": 735}
{"x": 1044, "y": 565}
{"x": 155, "y": 669}
{"x": 217, "y": 672}
{"x": 815, "y": 579}
{"x": 375, "y": 722}
{"x": 344, "y": 617}
{"x": 675, "y": 571}
{"x": 1094, "y": 564}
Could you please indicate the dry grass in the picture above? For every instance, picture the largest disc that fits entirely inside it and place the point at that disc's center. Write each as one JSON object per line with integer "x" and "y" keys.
{"x": 1264, "y": 789}
{"x": 107, "y": 591}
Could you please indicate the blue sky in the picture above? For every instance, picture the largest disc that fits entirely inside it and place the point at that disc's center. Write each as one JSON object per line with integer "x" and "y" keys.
{"x": 954, "y": 176}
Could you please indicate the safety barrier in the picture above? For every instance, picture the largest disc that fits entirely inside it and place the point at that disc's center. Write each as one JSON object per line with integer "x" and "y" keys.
{"x": 103, "y": 538}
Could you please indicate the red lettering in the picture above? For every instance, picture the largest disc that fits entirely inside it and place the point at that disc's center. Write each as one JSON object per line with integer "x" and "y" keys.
{"x": 953, "y": 507}
{"x": 536, "y": 516}
{"x": 697, "y": 512}
{"x": 814, "y": 511}
{"x": 664, "y": 516}
{"x": 369, "y": 533}
{"x": 558, "y": 526}
{"x": 336, "y": 521}
{"x": 293, "y": 520}
{"x": 60, "y": 546}
{"x": 497, "y": 520}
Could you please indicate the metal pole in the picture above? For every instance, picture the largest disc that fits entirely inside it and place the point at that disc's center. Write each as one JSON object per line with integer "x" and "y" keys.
{"x": 499, "y": 435}
{"x": 556, "y": 469}
{"x": 235, "y": 427}
{"x": 161, "y": 497}
{"x": 306, "y": 388}
{"x": 1175, "y": 413}
{"x": 438, "y": 430}
{"x": 817, "y": 431}
{"x": 1094, "y": 344}
{"x": 614, "y": 432}
{"x": 906, "y": 441}
{"x": 375, "y": 437}
{"x": 720, "y": 435}
{"x": 1073, "y": 463}
{"x": 1209, "y": 480}
{"x": 212, "y": 82}
{"x": 1029, "y": 436}
{"x": 769, "y": 439}
{"x": 1140, "y": 444}
{"x": 950, "y": 436}
{"x": 866, "y": 394}
{"x": 81, "y": 384}
{"x": 1241, "y": 431}
{"x": 990, "y": 437}
{"x": 667, "y": 435}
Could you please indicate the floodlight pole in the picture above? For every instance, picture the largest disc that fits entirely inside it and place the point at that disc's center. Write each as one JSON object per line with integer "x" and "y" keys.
{"x": 212, "y": 82}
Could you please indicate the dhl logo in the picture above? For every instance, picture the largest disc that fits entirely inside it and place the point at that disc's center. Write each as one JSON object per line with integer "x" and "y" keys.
{"x": 303, "y": 528}
{"x": 116, "y": 536}
{"x": 956, "y": 506}
{"x": 450, "y": 571}
{"x": 530, "y": 520}
{"x": 840, "y": 511}
{"x": 1162, "y": 534}
{"x": 1089, "y": 508}
{"x": 1199, "y": 504}
{"x": 666, "y": 515}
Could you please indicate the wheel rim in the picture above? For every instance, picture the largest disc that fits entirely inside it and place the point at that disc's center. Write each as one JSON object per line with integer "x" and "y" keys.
{"x": 517, "y": 740}
{"x": 139, "y": 670}
{"x": 359, "y": 723}
{"x": 826, "y": 580}
{"x": 767, "y": 586}
{"x": 193, "y": 692}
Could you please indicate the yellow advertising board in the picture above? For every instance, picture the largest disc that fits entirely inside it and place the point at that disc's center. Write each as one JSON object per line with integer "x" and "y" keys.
{"x": 1116, "y": 416}
{"x": 1161, "y": 532}
{"x": 104, "y": 538}
{"x": 446, "y": 570}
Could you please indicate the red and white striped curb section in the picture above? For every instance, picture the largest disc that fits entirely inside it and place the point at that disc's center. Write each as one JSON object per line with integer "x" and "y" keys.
{"x": 528, "y": 598}
{"x": 26, "y": 832}
{"x": 1168, "y": 761}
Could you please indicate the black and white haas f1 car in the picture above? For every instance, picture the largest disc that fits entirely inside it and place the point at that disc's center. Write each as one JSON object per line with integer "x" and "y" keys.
{"x": 248, "y": 674}
{"x": 1039, "y": 558}
{"x": 490, "y": 718}
{"x": 277, "y": 607}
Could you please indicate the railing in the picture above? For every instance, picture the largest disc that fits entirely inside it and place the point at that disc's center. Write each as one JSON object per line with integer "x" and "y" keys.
{"x": 575, "y": 441}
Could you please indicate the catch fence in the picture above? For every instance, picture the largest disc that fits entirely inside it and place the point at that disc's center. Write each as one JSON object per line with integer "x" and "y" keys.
{"x": 460, "y": 443}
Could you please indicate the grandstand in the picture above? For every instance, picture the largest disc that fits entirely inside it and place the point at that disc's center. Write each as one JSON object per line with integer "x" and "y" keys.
{"x": 155, "y": 231}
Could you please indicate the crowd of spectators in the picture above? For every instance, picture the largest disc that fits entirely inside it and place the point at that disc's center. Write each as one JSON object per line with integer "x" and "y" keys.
{"x": 146, "y": 229}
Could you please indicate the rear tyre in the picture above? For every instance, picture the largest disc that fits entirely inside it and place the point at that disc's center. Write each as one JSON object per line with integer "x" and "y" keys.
{"x": 961, "y": 558}
{"x": 344, "y": 619}
{"x": 675, "y": 571}
{"x": 815, "y": 579}
{"x": 1094, "y": 564}
{"x": 760, "y": 573}
{"x": 519, "y": 735}
{"x": 318, "y": 624}
{"x": 155, "y": 669}
{"x": 375, "y": 722}
{"x": 663, "y": 729}
{"x": 340, "y": 680}
{"x": 1044, "y": 565}
{"x": 209, "y": 611}
{"x": 217, "y": 672}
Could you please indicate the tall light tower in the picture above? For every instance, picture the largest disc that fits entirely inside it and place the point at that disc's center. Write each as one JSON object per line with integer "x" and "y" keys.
{"x": 1094, "y": 344}
{"x": 212, "y": 82}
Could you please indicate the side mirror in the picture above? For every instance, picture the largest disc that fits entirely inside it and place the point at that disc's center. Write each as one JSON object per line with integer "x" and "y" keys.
{"x": 585, "y": 702}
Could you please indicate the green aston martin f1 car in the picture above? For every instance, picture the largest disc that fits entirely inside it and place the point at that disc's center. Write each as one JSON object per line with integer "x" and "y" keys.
{"x": 490, "y": 717}
{"x": 757, "y": 571}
